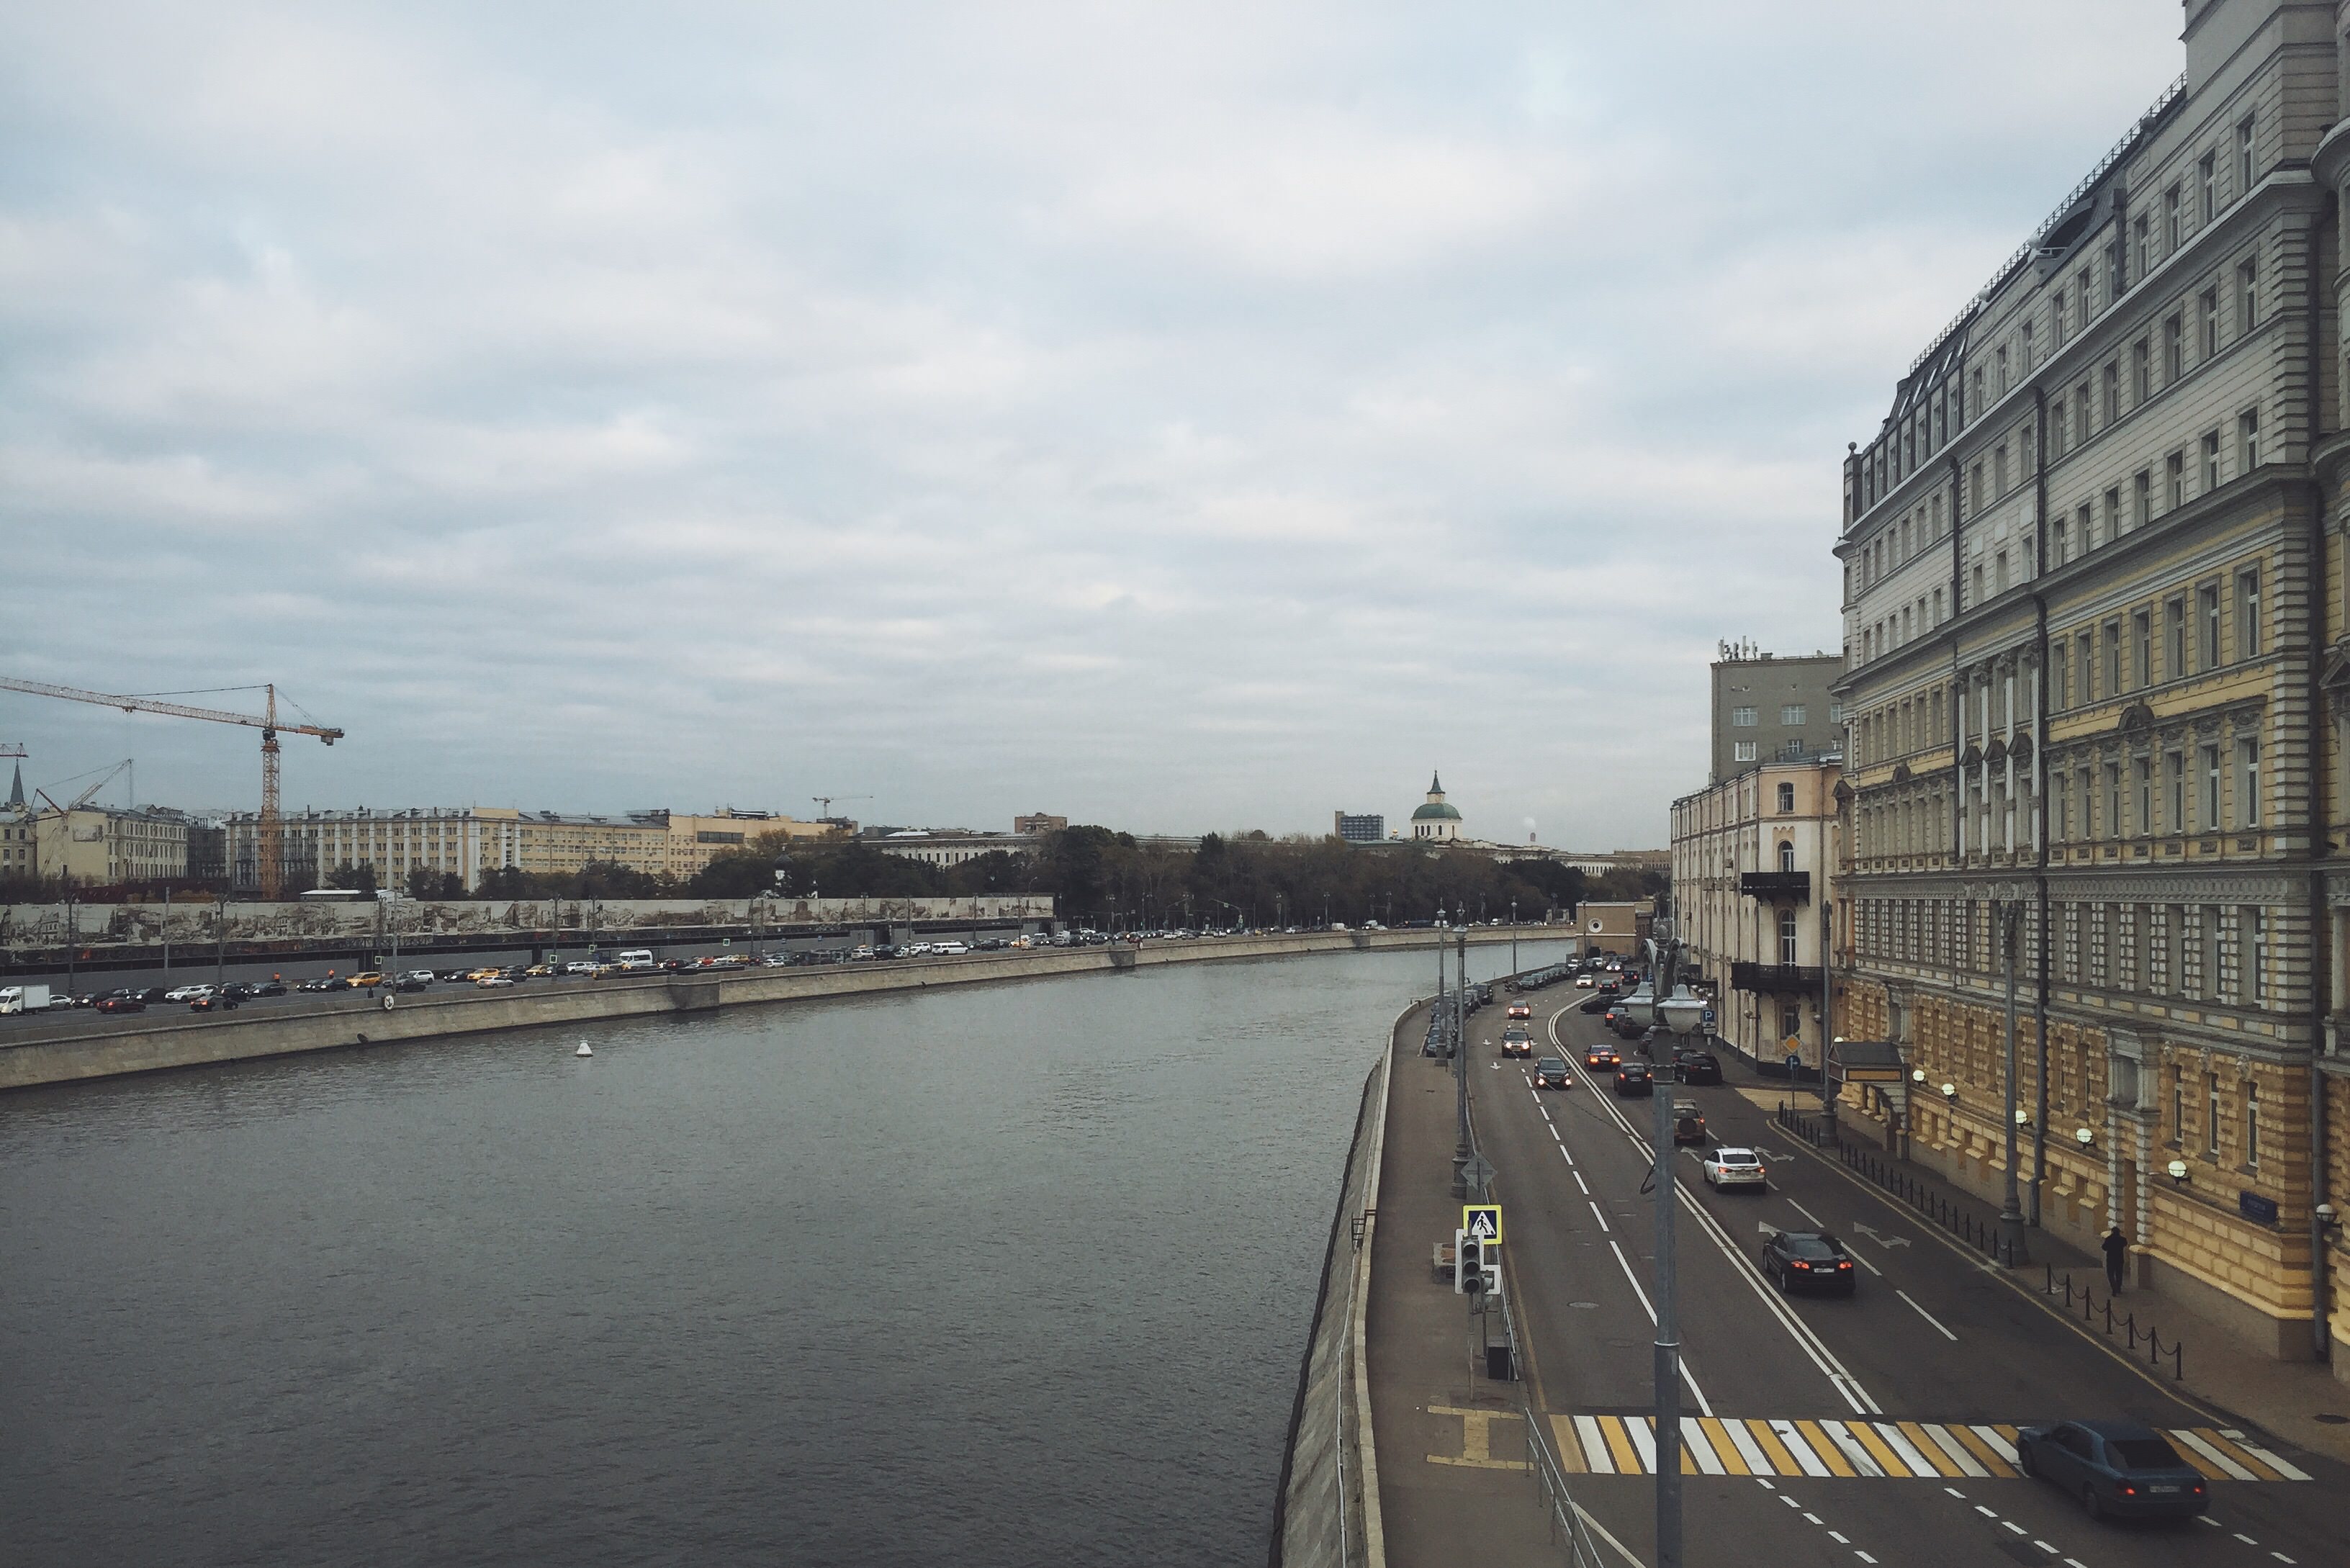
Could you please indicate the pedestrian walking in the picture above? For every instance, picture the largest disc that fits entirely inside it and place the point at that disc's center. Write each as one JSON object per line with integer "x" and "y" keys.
{"x": 2117, "y": 1248}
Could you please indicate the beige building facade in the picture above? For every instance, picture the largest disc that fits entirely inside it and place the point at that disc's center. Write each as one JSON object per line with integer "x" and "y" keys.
{"x": 2097, "y": 669}
{"x": 99, "y": 846}
{"x": 1751, "y": 863}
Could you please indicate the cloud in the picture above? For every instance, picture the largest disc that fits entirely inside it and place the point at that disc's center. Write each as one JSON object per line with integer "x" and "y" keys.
{"x": 1176, "y": 415}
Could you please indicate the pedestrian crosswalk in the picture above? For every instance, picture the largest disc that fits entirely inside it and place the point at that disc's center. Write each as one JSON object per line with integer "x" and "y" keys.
{"x": 1926, "y": 1451}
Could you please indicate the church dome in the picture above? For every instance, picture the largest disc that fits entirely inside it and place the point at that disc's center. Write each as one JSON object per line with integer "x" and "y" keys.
{"x": 1436, "y": 811}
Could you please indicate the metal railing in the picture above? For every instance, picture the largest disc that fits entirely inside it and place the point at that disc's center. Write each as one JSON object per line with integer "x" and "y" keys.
{"x": 2126, "y": 1324}
{"x": 1564, "y": 1515}
{"x": 1958, "y": 1219}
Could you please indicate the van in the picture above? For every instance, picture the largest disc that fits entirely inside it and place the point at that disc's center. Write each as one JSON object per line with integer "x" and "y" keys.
{"x": 949, "y": 948}
{"x": 636, "y": 957}
{"x": 23, "y": 999}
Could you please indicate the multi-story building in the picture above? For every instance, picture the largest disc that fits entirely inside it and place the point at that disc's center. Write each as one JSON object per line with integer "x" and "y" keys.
{"x": 468, "y": 841}
{"x": 1751, "y": 858}
{"x": 1039, "y": 822}
{"x": 106, "y": 846}
{"x": 1772, "y": 709}
{"x": 1358, "y": 828}
{"x": 946, "y": 848}
{"x": 2096, "y": 683}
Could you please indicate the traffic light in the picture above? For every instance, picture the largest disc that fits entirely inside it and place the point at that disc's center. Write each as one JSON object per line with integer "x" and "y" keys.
{"x": 1469, "y": 1266}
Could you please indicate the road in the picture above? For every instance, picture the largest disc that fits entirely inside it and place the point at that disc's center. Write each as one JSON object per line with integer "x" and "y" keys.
{"x": 1869, "y": 1429}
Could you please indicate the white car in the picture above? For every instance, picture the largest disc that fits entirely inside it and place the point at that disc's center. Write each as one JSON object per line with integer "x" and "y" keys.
{"x": 950, "y": 949}
{"x": 188, "y": 994}
{"x": 581, "y": 966}
{"x": 493, "y": 981}
{"x": 1735, "y": 1167}
{"x": 1584, "y": 981}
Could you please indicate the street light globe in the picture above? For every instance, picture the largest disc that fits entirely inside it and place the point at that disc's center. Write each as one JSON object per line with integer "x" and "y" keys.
{"x": 1916, "y": 1075}
{"x": 1949, "y": 1091}
{"x": 2178, "y": 1169}
{"x": 1681, "y": 1013}
{"x": 2083, "y": 1136}
{"x": 2023, "y": 1116}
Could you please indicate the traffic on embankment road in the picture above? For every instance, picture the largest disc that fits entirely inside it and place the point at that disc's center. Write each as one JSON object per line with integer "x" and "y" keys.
{"x": 55, "y": 1047}
{"x": 1889, "y": 1425}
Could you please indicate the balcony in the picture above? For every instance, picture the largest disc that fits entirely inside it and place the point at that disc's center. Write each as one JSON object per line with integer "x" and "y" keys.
{"x": 1777, "y": 978}
{"x": 1776, "y": 885}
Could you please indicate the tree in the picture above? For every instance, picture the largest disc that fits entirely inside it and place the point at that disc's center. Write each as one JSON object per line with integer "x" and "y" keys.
{"x": 425, "y": 883}
{"x": 360, "y": 877}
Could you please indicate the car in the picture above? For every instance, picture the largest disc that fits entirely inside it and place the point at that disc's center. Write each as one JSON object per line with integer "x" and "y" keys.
{"x": 1516, "y": 1042}
{"x": 213, "y": 1002}
{"x": 270, "y": 987}
{"x": 1696, "y": 1066}
{"x": 1584, "y": 982}
{"x": 577, "y": 966}
{"x": 1615, "y": 966}
{"x": 187, "y": 993}
{"x": 542, "y": 972}
{"x": 485, "y": 972}
{"x": 324, "y": 983}
{"x": 1688, "y": 1122}
{"x": 493, "y": 981}
{"x": 423, "y": 975}
{"x": 120, "y": 1004}
{"x": 1635, "y": 1079}
{"x": 1735, "y": 1167}
{"x": 1595, "y": 1004}
{"x": 1602, "y": 1055}
{"x": 2116, "y": 1468}
{"x": 369, "y": 978}
{"x": 1808, "y": 1260}
{"x": 1521, "y": 1010}
{"x": 1551, "y": 1072}
{"x": 1618, "y": 1017}
{"x": 1610, "y": 989}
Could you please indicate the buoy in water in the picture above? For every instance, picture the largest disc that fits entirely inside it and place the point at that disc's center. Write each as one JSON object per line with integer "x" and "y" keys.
{"x": 583, "y": 1050}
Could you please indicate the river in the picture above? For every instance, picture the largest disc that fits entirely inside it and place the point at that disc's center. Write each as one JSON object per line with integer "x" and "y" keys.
{"x": 1005, "y": 1275}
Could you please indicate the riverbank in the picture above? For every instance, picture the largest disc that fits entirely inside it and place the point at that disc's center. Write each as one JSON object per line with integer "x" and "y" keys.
{"x": 64, "y": 1052}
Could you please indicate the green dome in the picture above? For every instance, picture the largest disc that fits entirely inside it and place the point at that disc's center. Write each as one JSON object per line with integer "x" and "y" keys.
{"x": 1436, "y": 811}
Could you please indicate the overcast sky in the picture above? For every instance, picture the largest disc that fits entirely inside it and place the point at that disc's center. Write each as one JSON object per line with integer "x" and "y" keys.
{"x": 1179, "y": 417}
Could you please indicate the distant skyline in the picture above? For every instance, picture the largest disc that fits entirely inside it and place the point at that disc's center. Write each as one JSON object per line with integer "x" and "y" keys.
{"x": 1180, "y": 418}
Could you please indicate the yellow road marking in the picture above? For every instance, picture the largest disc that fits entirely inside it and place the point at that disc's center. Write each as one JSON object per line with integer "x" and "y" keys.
{"x": 1570, "y": 1446}
{"x": 1925, "y": 1445}
{"x": 1476, "y": 1439}
{"x": 1619, "y": 1447}
{"x": 1724, "y": 1448}
{"x": 1985, "y": 1455}
{"x": 1782, "y": 1461}
{"x": 1888, "y": 1460}
{"x": 2236, "y": 1452}
{"x": 1825, "y": 1447}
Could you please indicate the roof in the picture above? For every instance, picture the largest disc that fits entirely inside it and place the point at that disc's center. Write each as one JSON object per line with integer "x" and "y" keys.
{"x": 1434, "y": 810}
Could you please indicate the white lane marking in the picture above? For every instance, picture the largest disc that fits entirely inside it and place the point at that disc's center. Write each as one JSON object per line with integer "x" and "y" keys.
{"x": 1999, "y": 1445}
{"x": 2074, "y": 1563}
{"x": 1863, "y": 1556}
{"x": 1984, "y": 1511}
{"x": 1839, "y": 1540}
{"x": 1757, "y": 1462}
{"x": 1602, "y": 1218}
{"x": 2280, "y": 1557}
{"x": 1956, "y": 1493}
{"x": 1919, "y": 1463}
{"x": 1763, "y": 1481}
{"x": 1791, "y": 1502}
{"x": 2010, "y": 1524}
{"x": 1929, "y": 1318}
{"x": 1644, "y": 1444}
{"x": 1800, "y": 1450}
{"x": 2213, "y": 1454}
{"x": 1812, "y": 1517}
{"x": 1595, "y": 1447}
{"x": 1865, "y": 1264}
{"x": 2262, "y": 1454}
{"x": 2044, "y": 1547}
{"x": 2246, "y": 1539}
{"x": 1579, "y": 1182}
{"x": 1807, "y": 1214}
{"x": 1701, "y": 1449}
{"x": 1960, "y": 1454}
{"x": 1704, "y": 1406}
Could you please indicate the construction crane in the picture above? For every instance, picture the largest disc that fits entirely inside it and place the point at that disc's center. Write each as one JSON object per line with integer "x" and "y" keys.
{"x": 272, "y": 846}
{"x": 823, "y": 804}
{"x": 104, "y": 777}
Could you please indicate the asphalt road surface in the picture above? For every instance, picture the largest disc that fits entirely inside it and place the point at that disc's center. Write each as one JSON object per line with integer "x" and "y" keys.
{"x": 1865, "y": 1430}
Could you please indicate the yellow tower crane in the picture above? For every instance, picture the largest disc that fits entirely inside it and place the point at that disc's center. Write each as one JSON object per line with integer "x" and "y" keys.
{"x": 273, "y": 838}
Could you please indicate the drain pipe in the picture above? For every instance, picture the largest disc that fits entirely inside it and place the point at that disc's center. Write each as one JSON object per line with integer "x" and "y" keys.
{"x": 2039, "y": 791}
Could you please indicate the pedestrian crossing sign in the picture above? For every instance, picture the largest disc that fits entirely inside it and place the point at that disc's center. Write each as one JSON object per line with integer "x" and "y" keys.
{"x": 1481, "y": 1222}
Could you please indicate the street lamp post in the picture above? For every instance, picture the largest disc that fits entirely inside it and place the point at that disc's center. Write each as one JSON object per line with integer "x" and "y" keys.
{"x": 1462, "y": 1152}
{"x": 2008, "y": 913}
{"x": 1681, "y": 1014}
{"x": 1513, "y": 936}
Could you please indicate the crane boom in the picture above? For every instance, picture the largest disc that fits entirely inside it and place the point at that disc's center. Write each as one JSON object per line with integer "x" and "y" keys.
{"x": 272, "y": 845}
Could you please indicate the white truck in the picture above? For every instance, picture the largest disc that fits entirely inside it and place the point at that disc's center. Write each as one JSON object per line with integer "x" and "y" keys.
{"x": 23, "y": 999}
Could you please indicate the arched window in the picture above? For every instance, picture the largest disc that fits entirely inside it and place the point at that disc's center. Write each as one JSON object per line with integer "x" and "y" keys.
{"x": 1786, "y": 855}
{"x": 1787, "y": 936}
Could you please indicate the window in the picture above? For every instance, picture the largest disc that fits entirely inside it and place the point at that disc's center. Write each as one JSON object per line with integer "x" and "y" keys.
{"x": 2056, "y": 317}
{"x": 2207, "y": 324}
{"x": 2178, "y": 1105}
{"x": 2206, "y": 178}
{"x": 2141, "y": 775}
{"x": 2174, "y": 350}
{"x": 2251, "y": 1122}
{"x": 2248, "y": 784}
{"x": 2113, "y": 687}
{"x": 2113, "y": 384}
{"x": 2081, "y": 411}
{"x": 2142, "y": 633}
{"x": 2113, "y": 800}
{"x": 1999, "y": 572}
{"x": 2211, "y": 1115}
{"x": 2174, "y": 626}
{"x": 2211, "y": 461}
{"x": 2174, "y": 773}
{"x": 1975, "y": 585}
{"x": 2002, "y": 369}
{"x": 1791, "y": 713}
{"x": 1742, "y": 718}
{"x": 2139, "y": 230}
{"x": 2248, "y": 297}
{"x": 1742, "y": 751}
{"x": 2248, "y": 440}
{"x": 2142, "y": 492}
{"x": 2252, "y": 928}
{"x": 1975, "y": 485}
{"x": 1999, "y": 470}
{"x": 2088, "y": 521}
{"x": 2064, "y": 541}
{"x": 2207, "y": 602}
{"x": 1787, "y": 937}
{"x": 2244, "y": 157}
{"x": 2211, "y": 789}
{"x": 2248, "y": 613}
{"x": 1786, "y": 803}
{"x": 2026, "y": 335}
{"x": 2174, "y": 478}
{"x": 2141, "y": 373}
{"x": 2171, "y": 220}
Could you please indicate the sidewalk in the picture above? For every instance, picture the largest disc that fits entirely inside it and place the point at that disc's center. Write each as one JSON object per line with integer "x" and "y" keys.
{"x": 2286, "y": 1399}
{"x": 1453, "y": 1476}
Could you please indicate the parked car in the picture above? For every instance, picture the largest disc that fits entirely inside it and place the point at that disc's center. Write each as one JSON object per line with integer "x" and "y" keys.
{"x": 1635, "y": 1079}
{"x": 1696, "y": 1066}
{"x": 1735, "y": 1167}
{"x": 2117, "y": 1469}
{"x": 1551, "y": 1072}
{"x": 1688, "y": 1122}
{"x": 1808, "y": 1260}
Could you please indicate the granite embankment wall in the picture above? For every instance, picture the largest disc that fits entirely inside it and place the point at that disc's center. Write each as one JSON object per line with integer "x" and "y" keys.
{"x": 63, "y": 1052}
{"x": 1328, "y": 1511}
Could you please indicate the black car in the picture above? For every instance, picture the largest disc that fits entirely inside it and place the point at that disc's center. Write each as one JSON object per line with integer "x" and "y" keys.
{"x": 1516, "y": 1042}
{"x": 1696, "y": 1066}
{"x": 1551, "y": 1072}
{"x": 411, "y": 984}
{"x": 1633, "y": 1078}
{"x": 266, "y": 988}
{"x": 2115, "y": 1467}
{"x": 450, "y": 975}
{"x": 237, "y": 990}
{"x": 1609, "y": 988}
{"x": 120, "y": 1004}
{"x": 1595, "y": 1003}
{"x": 1809, "y": 1261}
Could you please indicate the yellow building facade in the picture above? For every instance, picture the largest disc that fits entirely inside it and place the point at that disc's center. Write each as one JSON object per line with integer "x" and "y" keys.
{"x": 2094, "y": 588}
